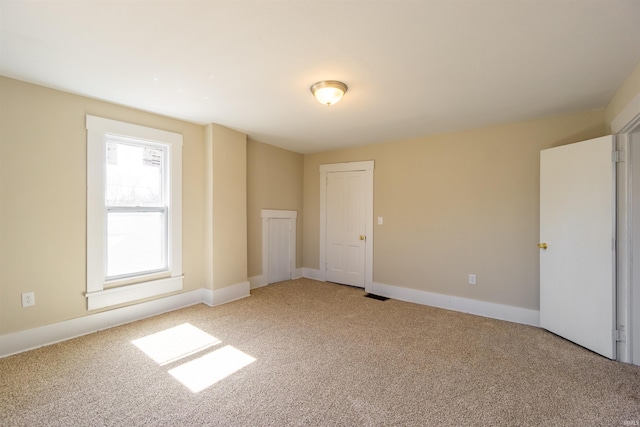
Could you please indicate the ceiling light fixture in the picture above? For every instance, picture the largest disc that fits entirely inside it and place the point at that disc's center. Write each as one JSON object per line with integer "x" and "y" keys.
{"x": 328, "y": 92}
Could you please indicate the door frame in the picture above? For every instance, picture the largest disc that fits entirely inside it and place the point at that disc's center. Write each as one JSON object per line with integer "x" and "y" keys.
{"x": 364, "y": 166}
{"x": 626, "y": 126}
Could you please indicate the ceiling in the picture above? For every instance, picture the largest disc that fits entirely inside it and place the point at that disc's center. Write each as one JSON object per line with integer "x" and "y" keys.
{"x": 413, "y": 68}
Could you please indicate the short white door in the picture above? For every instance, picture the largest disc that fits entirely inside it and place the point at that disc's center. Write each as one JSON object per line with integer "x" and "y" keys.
{"x": 279, "y": 250}
{"x": 346, "y": 225}
{"x": 577, "y": 227}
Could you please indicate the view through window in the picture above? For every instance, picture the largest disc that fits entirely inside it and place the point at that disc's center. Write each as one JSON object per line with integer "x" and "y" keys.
{"x": 136, "y": 204}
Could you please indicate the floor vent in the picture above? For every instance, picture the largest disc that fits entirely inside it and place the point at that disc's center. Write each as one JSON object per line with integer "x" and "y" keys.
{"x": 378, "y": 297}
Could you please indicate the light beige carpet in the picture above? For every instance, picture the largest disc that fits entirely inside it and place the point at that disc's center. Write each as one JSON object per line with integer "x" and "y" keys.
{"x": 319, "y": 354}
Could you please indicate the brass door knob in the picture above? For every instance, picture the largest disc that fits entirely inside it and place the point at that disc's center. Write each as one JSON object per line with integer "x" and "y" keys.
{"x": 542, "y": 245}
{"x": 363, "y": 237}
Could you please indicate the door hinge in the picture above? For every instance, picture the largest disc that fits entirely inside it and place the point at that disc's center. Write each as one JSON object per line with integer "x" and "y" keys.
{"x": 620, "y": 335}
{"x": 615, "y": 156}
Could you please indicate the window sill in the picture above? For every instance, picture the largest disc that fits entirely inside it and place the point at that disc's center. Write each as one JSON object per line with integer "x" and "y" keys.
{"x": 142, "y": 278}
{"x": 123, "y": 294}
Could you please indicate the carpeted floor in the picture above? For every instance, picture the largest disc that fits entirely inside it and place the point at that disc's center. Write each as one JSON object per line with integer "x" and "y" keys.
{"x": 317, "y": 354}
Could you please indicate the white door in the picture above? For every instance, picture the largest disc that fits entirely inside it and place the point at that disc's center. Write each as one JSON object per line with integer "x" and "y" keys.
{"x": 577, "y": 224}
{"x": 346, "y": 227}
{"x": 279, "y": 250}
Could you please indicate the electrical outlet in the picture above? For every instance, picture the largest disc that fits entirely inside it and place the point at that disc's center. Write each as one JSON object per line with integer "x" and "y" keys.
{"x": 472, "y": 279}
{"x": 28, "y": 299}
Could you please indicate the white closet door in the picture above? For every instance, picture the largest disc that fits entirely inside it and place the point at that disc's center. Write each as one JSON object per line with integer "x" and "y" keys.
{"x": 279, "y": 250}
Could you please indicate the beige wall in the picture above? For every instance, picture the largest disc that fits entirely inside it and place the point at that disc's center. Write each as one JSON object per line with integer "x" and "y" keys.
{"x": 43, "y": 200}
{"x": 452, "y": 204}
{"x": 456, "y": 204}
{"x": 629, "y": 90}
{"x": 274, "y": 181}
{"x": 226, "y": 210}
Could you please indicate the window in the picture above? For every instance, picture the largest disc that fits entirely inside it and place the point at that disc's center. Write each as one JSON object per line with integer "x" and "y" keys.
{"x": 136, "y": 199}
{"x": 134, "y": 212}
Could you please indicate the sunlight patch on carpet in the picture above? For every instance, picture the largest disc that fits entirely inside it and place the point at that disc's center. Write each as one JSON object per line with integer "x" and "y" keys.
{"x": 207, "y": 370}
{"x": 175, "y": 343}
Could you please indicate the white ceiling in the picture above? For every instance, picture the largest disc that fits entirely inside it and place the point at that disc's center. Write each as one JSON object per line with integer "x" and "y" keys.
{"x": 413, "y": 68}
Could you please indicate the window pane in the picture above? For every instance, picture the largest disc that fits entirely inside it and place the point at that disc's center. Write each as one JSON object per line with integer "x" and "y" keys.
{"x": 134, "y": 175}
{"x": 135, "y": 242}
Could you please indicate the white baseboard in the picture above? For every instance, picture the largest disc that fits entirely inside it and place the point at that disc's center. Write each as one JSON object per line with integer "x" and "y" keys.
{"x": 258, "y": 281}
{"x": 311, "y": 273}
{"x": 449, "y": 302}
{"x": 464, "y": 305}
{"x": 263, "y": 280}
{"x": 18, "y": 342}
{"x": 227, "y": 294}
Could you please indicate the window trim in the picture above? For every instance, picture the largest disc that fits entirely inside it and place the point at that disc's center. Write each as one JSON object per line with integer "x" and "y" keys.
{"x": 104, "y": 293}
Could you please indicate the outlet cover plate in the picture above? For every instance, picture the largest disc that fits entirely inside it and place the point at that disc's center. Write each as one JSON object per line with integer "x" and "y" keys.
{"x": 28, "y": 299}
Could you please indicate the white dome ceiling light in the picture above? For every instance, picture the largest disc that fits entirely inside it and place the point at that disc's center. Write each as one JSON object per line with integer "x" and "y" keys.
{"x": 328, "y": 92}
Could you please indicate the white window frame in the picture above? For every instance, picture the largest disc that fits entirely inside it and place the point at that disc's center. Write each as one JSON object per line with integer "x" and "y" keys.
{"x": 105, "y": 293}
